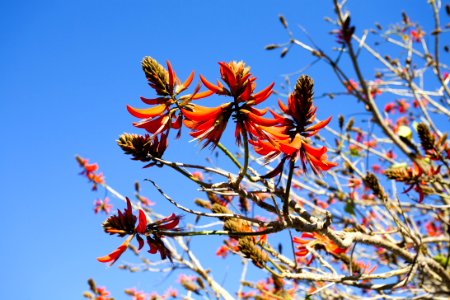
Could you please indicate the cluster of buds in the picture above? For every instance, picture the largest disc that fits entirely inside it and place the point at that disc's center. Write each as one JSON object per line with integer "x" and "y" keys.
{"x": 247, "y": 245}
{"x": 143, "y": 147}
{"x": 371, "y": 181}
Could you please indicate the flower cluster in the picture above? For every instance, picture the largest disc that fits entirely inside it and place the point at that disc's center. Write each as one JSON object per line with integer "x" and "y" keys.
{"x": 90, "y": 171}
{"x": 285, "y": 134}
{"x": 415, "y": 177}
{"x": 318, "y": 241}
{"x": 97, "y": 292}
{"x": 124, "y": 223}
{"x": 291, "y": 139}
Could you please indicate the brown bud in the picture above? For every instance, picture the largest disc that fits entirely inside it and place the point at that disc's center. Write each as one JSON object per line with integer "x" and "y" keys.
{"x": 92, "y": 285}
{"x": 136, "y": 186}
{"x": 405, "y": 18}
{"x": 203, "y": 203}
{"x": 397, "y": 174}
{"x": 88, "y": 295}
{"x": 304, "y": 88}
{"x": 427, "y": 140}
{"x": 341, "y": 121}
{"x": 250, "y": 250}
{"x": 283, "y": 21}
{"x": 350, "y": 124}
{"x": 157, "y": 76}
{"x": 200, "y": 282}
{"x": 371, "y": 181}
{"x": 442, "y": 139}
{"x": 284, "y": 52}
{"x": 142, "y": 148}
{"x": 271, "y": 47}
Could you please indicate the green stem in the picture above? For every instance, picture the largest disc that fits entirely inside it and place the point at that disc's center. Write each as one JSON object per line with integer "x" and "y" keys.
{"x": 244, "y": 169}
{"x": 229, "y": 154}
{"x": 218, "y": 232}
{"x": 288, "y": 189}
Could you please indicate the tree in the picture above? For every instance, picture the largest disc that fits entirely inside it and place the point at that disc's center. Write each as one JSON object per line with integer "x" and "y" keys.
{"x": 361, "y": 210}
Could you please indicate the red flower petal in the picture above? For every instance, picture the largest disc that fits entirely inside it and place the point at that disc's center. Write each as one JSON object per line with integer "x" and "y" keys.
{"x": 147, "y": 112}
{"x": 114, "y": 256}
{"x": 142, "y": 224}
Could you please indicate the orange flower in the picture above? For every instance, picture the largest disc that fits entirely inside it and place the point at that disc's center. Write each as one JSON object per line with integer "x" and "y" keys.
{"x": 319, "y": 241}
{"x": 114, "y": 256}
{"x": 90, "y": 171}
{"x": 291, "y": 138}
{"x": 164, "y": 113}
{"x": 208, "y": 123}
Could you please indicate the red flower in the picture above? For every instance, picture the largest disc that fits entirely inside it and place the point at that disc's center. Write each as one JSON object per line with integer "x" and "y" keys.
{"x": 124, "y": 223}
{"x": 164, "y": 113}
{"x": 291, "y": 138}
{"x": 318, "y": 241}
{"x": 208, "y": 123}
{"x": 403, "y": 106}
{"x": 90, "y": 171}
{"x": 391, "y": 106}
{"x": 417, "y": 35}
{"x": 114, "y": 256}
{"x": 432, "y": 229}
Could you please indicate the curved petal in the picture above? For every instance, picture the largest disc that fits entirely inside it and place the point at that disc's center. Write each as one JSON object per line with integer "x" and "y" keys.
{"x": 147, "y": 112}
{"x": 263, "y": 94}
{"x": 142, "y": 224}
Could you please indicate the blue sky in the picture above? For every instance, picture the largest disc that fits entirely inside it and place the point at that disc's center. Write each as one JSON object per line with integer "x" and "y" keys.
{"x": 67, "y": 71}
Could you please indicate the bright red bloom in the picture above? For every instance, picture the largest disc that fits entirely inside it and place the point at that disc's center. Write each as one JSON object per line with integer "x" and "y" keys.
{"x": 208, "y": 123}
{"x": 417, "y": 35}
{"x": 432, "y": 229}
{"x": 167, "y": 223}
{"x": 102, "y": 294}
{"x": 391, "y": 106}
{"x": 164, "y": 113}
{"x": 317, "y": 240}
{"x": 124, "y": 223}
{"x": 114, "y": 256}
{"x": 290, "y": 139}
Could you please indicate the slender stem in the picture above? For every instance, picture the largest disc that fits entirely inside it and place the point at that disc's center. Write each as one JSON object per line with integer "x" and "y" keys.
{"x": 288, "y": 189}
{"x": 229, "y": 154}
{"x": 244, "y": 169}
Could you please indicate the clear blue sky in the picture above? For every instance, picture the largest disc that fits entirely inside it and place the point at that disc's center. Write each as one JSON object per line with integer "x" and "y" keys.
{"x": 67, "y": 71}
